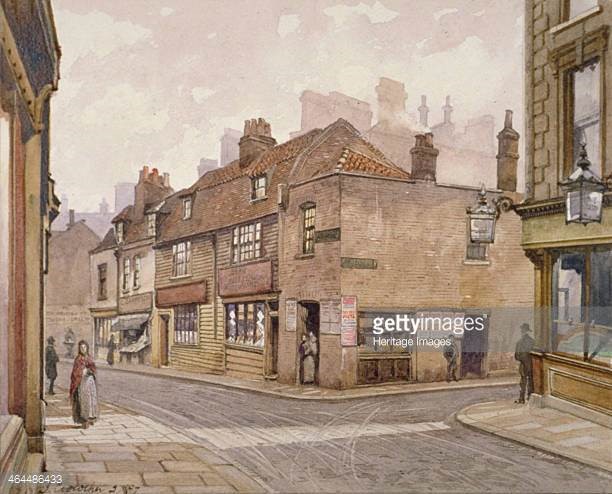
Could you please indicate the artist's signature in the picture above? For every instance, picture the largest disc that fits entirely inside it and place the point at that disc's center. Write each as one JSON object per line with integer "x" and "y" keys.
{"x": 100, "y": 489}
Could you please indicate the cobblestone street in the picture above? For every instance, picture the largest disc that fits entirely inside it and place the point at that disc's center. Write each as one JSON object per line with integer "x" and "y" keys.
{"x": 408, "y": 443}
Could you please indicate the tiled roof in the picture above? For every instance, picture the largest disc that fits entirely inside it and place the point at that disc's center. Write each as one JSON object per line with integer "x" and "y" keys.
{"x": 124, "y": 215}
{"x": 222, "y": 197}
{"x": 108, "y": 242}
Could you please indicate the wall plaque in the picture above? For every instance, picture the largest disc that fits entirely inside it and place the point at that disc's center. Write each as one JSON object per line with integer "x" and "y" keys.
{"x": 247, "y": 279}
{"x": 291, "y": 315}
{"x": 348, "y": 329}
{"x": 358, "y": 263}
{"x": 330, "y": 316}
{"x": 331, "y": 235}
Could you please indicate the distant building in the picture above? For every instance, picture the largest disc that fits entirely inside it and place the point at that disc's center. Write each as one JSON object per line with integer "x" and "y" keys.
{"x": 99, "y": 221}
{"x": 68, "y": 283}
{"x": 124, "y": 195}
{"x": 205, "y": 165}
{"x": 320, "y": 110}
{"x": 229, "y": 146}
{"x": 29, "y": 74}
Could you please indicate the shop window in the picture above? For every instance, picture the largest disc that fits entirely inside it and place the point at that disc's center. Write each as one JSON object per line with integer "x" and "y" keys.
{"x": 137, "y": 262}
{"x": 102, "y": 326}
{"x": 245, "y": 324}
{"x": 258, "y": 187}
{"x": 308, "y": 228}
{"x": 246, "y": 242}
{"x": 119, "y": 232}
{"x": 181, "y": 258}
{"x": 582, "y": 305}
{"x": 187, "y": 208}
{"x": 102, "y": 281}
{"x": 584, "y": 87}
{"x": 151, "y": 225}
{"x": 126, "y": 274}
{"x": 186, "y": 324}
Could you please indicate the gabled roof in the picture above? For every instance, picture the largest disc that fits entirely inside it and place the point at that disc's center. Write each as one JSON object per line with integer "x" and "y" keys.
{"x": 108, "y": 242}
{"x": 222, "y": 197}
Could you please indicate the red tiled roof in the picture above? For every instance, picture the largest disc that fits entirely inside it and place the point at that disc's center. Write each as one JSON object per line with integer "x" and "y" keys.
{"x": 222, "y": 197}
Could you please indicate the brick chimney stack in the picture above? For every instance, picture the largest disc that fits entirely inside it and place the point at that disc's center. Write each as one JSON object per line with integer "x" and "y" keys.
{"x": 424, "y": 157}
{"x": 257, "y": 138}
{"x": 423, "y": 111}
{"x": 507, "y": 155}
{"x": 391, "y": 96}
{"x": 151, "y": 187}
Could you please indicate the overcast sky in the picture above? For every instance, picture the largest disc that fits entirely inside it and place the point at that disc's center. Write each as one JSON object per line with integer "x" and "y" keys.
{"x": 156, "y": 81}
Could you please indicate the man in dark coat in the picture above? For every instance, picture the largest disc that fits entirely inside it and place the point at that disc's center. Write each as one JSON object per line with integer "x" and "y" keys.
{"x": 112, "y": 346}
{"x": 51, "y": 360}
{"x": 451, "y": 354}
{"x": 522, "y": 353}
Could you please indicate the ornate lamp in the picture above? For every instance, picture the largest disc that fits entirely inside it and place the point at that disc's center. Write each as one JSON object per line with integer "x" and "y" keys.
{"x": 482, "y": 220}
{"x": 583, "y": 193}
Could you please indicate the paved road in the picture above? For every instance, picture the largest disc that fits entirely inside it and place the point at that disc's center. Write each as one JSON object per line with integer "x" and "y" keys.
{"x": 387, "y": 444}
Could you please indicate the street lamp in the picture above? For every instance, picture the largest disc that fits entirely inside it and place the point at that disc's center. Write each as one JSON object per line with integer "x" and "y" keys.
{"x": 482, "y": 220}
{"x": 583, "y": 193}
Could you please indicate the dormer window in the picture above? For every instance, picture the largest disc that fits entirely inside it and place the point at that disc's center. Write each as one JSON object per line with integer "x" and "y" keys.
{"x": 187, "y": 208}
{"x": 151, "y": 224}
{"x": 259, "y": 186}
{"x": 119, "y": 232}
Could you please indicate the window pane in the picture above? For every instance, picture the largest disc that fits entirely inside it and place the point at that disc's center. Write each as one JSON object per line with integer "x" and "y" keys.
{"x": 568, "y": 303}
{"x": 259, "y": 325}
{"x": 587, "y": 114}
{"x": 577, "y": 7}
{"x": 600, "y": 307}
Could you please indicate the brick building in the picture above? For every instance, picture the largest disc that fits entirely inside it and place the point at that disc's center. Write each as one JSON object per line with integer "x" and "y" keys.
{"x": 135, "y": 233}
{"x": 268, "y": 249}
{"x": 29, "y": 73}
{"x": 568, "y": 70}
{"x": 68, "y": 284}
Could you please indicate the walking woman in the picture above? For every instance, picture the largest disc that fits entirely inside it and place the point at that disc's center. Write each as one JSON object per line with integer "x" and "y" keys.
{"x": 83, "y": 390}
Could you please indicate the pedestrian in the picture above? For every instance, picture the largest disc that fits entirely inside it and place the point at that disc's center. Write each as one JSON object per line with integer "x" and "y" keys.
{"x": 69, "y": 342}
{"x": 302, "y": 354}
{"x": 451, "y": 354}
{"x": 311, "y": 349}
{"x": 522, "y": 353}
{"x": 112, "y": 346}
{"x": 51, "y": 360}
{"x": 83, "y": 389}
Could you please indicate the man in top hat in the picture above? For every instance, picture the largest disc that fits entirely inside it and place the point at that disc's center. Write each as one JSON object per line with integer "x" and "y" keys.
{"x": 522, "y": 353}
{"x": 51, "y": 360}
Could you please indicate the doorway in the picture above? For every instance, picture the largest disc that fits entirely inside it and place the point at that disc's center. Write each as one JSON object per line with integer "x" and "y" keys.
{"x": 309, "y": 348}
{"x": 474, "y": 351}
{"x": 272, "y": 349}
{"x": 164, "y": 358}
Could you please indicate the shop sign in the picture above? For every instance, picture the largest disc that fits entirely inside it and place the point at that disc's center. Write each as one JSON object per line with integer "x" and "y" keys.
{"x": 291, "y": 315}
{"x": 330, "y": 316}
{"x": 348, "y": 329}
{"x": 245, "y": 280}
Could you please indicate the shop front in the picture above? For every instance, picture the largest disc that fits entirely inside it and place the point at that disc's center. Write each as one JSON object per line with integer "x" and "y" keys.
{"x": 573, "y": 361}
{"x": 103, "y": 321}
{"x": 132, "y": 338}
{"x": 250, "y": 310}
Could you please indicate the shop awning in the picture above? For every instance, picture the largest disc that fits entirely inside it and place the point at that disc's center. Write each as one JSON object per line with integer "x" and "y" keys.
{"x": 139, "y": 345}
{"x": 125, "y": 323}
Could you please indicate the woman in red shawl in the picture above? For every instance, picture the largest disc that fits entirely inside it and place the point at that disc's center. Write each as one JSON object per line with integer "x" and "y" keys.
{"x": 83, "y": 390}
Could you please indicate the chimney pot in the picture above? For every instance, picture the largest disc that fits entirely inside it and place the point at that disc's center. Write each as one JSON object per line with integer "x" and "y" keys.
{"x": 507, "y": 155}
{"x": 70, "y": 217}
{"x": 424, "y": 157}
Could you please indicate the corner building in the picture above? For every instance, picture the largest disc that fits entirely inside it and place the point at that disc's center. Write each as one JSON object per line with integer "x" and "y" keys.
{"x": 569, "y": 88}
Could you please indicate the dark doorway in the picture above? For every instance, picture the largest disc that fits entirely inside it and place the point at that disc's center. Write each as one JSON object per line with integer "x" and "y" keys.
{"x": 474, "y": 351}
{"x": 308, "y": 340}
{"x": 272, "y": 349}
{"x": 163, "y": 341}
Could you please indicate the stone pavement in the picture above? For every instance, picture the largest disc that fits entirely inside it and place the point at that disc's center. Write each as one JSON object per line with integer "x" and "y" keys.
{"x": 547, "y": 429}
{"x": 134, "y": 452}
{"x": 314, "y": 392}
